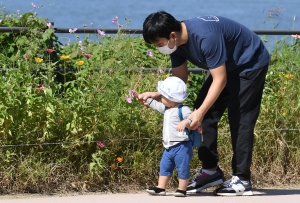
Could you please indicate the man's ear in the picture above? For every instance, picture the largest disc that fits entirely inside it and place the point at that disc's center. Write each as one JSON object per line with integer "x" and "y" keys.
{"x": 173, "y": 35}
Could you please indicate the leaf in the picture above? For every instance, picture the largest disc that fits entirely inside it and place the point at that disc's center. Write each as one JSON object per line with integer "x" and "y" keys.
{"x": 92, "y": 165}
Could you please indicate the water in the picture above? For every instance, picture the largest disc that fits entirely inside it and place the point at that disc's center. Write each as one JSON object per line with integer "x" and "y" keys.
{"x": 77, "y": 13}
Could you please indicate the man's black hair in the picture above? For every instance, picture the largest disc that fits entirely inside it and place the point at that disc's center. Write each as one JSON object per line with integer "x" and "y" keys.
{"x": 159, "y": 25}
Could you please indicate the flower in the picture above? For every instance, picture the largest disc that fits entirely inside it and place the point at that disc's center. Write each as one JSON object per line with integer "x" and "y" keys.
{"x": 102, "y": 33}
{"x": 128, "y": 100}
{"x": 166, "y": 75}
{"x": 114, "y": 20}
{"x": 50, "y": 50}
{"x": 27, "y": 56}
{"x": 79, "y": 63}
{"x": 50, "y": 25}
{"x": 38, "y": 60}
{"x": 296, "y": 36}
{"x": 113, "y": 166}
{"x": 82, "y": 48}
{"x": 34, "y": 6}
{"x": 119, "y": 159}
{"x": 64, "y": 57}
{"x": 88, "y": 56}
{"x": 40, "y": 89}
{"x": 149, "y": 53}
{"x": 131, "y": 94}
{"x": 289, "y": 76}
{"x": 100, "y": 144}
{"x": 60, "y": 120}
{"x": 72, "y": 30}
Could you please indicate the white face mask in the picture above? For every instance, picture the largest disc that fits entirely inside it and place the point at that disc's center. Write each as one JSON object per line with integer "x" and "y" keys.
{"x": 166, "y": 49}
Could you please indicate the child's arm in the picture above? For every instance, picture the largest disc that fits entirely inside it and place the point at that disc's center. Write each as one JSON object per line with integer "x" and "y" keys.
{"x": 186, "y": 121}
{"x": 183, "y": 124}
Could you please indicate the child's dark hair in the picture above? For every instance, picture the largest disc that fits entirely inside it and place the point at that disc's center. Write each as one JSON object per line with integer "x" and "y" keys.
{"x": 159, "y": 25}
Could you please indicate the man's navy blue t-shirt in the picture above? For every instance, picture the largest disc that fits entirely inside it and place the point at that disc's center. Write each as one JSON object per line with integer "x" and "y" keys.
{"x": 214, "y": 40}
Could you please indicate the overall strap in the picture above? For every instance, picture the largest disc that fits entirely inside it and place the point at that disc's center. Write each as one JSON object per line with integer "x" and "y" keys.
{"x": 180, "y": 112}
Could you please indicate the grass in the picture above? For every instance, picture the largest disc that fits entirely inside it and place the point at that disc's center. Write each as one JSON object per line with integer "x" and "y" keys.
{"x": 74, "y": 131}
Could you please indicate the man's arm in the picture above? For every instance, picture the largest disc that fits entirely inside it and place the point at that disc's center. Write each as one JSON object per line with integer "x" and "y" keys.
{"x": 181, "y": 72}
{"x": 219, "y": 76}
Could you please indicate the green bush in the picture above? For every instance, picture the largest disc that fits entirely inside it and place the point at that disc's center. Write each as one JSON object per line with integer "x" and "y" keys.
{"x": 74, "y": 130}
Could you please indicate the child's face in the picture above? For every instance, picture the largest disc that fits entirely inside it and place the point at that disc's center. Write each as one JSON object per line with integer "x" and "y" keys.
{"x": 168, "y": 103}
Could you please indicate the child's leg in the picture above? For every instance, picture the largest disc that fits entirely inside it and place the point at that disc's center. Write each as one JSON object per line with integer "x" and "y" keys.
{"x": 163, "y": 181}
{"x": 167, "y": 166}
{"x": 182, "y": 161}
{"x": 183, "y": 184}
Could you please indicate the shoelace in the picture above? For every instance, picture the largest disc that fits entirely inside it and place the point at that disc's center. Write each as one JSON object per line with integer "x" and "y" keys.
{"x": 196, "y": 175}
{"x": 229, "y": 181}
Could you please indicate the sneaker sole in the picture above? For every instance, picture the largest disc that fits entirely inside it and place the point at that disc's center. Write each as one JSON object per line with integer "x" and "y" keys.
{"x": 179, "y": 195}
{"x": 154, "y": 193}
{"x": 246, "y": 193}
{"x": 198, "y": 190}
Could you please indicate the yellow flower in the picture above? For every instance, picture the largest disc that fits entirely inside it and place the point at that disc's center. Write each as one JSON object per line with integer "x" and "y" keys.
{"x": 119, "y": 159}
{"x": 38, "y": 60}
{"x": 166, "y": 75}
{"x": 79, "y": 63}
{"x": 63, "y": 57}
{"x": 289, "y": 76}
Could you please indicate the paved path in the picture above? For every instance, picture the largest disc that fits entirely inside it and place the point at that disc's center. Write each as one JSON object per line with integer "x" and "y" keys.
{"x": 261, "y": 196}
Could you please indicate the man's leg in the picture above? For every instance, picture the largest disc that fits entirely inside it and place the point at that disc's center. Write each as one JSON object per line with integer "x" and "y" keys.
{"x": 207, "y": 152}
{"x": 209, "y": 175}
{"x": 243, "y": 110}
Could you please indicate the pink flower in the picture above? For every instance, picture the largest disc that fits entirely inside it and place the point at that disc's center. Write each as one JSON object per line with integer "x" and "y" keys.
{"x": 100, "y": 144}
{"x": 296, "y": 36}
{"x": 50, "y": 25}
{"x": 131, "y": 94}
{"x": 50, "y": 50}
{"x": 102, "y": 33}
{"x": 120, "y": 25}
{"x": 27, "y": 56}
{"x": 149, "y": 53}
{"x": 88, "y": 56}
{"x": 128, "y": 100}
{"x": 114, "y": 20}
{"x": 34, "y": 6}
{"x": 72, "y": 30}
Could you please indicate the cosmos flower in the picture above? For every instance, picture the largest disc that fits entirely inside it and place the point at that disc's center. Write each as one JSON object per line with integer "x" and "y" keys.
{"x": 72, "y": 30}
{"x": 114, "y": 20}
{"x": 38, "y": 60}
{"x": 102, "y": 33}
{"x": 149, "y": 53}
{"x": 100, "y": 144}
{"x": 120, "y": 159}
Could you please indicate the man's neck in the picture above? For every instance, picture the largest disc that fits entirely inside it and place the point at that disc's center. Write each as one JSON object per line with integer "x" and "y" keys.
{"x": 183, "y": 35}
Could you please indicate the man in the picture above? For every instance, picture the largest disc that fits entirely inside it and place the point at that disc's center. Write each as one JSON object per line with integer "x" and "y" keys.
{"x": 238, "y": 62}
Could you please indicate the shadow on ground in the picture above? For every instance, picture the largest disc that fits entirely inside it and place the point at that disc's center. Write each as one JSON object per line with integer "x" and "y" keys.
{"x": 260, "y": 192}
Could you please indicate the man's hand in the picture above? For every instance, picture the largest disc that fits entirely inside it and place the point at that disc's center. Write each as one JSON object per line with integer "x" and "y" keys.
{"x": 196, "y": 118}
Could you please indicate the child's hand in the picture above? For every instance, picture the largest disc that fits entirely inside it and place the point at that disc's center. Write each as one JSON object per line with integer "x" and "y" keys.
{"x": 182, "y": 125}
{"x": 140, "y": 98}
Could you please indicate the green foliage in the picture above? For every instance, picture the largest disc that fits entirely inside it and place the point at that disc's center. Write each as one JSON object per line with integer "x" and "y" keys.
{"x": 51, "y": 122}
